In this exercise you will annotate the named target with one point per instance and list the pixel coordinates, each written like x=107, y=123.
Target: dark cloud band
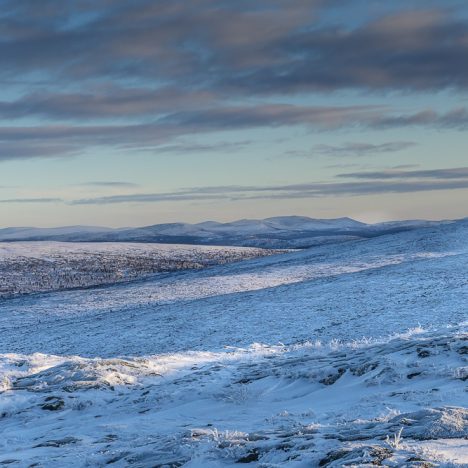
x=55, y=140
x=408, y=182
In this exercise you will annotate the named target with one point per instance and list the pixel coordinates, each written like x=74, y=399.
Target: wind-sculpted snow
x=354, y=355
x=305, y=405
x=29, y=267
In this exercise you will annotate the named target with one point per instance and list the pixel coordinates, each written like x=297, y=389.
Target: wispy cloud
x=368, y=183
x=54, y=140
x=106, y=102
x=361, y=149
x=437, y=174
x=187, y=147
x=375, y=183
x=13, y=148
x=147, y=198
x=405, y=166
x=111, y=184
x=32, y=200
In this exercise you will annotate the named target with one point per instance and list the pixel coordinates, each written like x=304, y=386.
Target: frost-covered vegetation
x=355, y=355
x=27, y=267
x=394, y=403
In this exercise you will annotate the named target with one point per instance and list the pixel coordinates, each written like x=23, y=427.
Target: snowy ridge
x=276, y=232
x=32, y=232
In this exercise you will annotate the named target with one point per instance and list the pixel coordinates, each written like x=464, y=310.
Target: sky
x=123, y=113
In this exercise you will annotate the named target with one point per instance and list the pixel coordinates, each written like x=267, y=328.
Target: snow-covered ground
x=345, y=355
x=29, y=267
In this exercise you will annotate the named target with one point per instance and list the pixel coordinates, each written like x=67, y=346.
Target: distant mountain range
x=276, y=232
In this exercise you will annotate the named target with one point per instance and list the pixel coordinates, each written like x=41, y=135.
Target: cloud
x=452, y=119
x=14, y=149
x=437, y=174
x=110, y=184
x=294, y=191
x=21, y=142
x=145, y=38
x=266, y=46
x=405, y=166
x=140, y=75
x=104, y=102
x=188, y=147
x=146, y=198
x=373, y=183
x=32, y=200
x=148, y=76
x=407, y=50
x=360, y=149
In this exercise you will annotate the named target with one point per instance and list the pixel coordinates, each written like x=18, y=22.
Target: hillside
x=278, y=232
x=42, y=266
x=309, y=358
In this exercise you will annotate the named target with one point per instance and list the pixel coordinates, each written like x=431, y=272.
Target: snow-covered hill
x=354, y=355
x=24, y=233
x=41, y=266
x=276, y=232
